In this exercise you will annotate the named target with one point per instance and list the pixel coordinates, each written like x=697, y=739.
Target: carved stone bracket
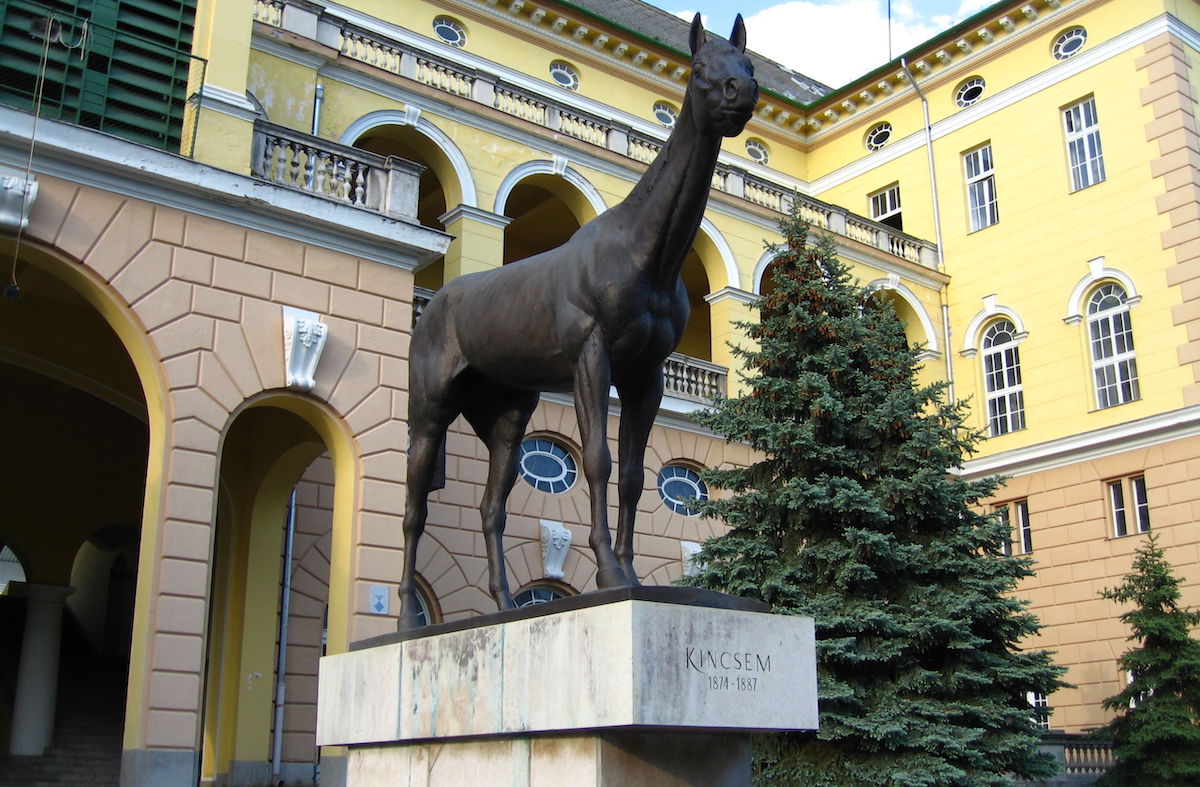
x=16, y=198
x=556, y=543
x=687, y=555
x=304, y=338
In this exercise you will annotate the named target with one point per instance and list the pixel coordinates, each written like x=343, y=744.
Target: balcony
x=353, y=177
x=684, y=377
x=408, y=61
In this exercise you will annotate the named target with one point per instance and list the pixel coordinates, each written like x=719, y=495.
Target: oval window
x=878, y=136
x=1068, y=43
x=450, y=30
x=969, y=92
x=564, y=74
x=665, y=113
x=758, y=151
x=546, y=465
x=680, y=488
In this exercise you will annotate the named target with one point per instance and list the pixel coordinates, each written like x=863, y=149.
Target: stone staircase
x=86, y=749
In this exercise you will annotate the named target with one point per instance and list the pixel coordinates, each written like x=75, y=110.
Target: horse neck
x=668, y=202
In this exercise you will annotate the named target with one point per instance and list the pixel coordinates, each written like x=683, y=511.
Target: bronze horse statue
x=604, y=309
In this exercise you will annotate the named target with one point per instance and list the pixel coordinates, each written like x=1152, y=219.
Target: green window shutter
x=133, y=78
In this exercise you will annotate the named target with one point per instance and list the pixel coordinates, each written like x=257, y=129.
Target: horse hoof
x=612, y=578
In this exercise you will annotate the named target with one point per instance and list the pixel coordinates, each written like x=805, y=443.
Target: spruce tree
x=1156, y=735
x=852, y=517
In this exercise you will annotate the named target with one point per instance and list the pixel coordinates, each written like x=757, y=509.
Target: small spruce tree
x=852, y=517
x=1156, y=735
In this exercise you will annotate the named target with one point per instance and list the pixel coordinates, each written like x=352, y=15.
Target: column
x=225, y=128
x=478, y=243
x=730, y=305
x=37, y=675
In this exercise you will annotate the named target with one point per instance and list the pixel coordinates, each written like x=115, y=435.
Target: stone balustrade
x=376, y=49
x=684, y=377
x=294, y=160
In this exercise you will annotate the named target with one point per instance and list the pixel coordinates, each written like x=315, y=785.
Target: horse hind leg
x=500, y=420
x=423, y=453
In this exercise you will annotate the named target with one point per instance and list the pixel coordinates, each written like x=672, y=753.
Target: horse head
x=722, y=90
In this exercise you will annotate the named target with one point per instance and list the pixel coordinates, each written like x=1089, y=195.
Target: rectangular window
x=1003, y=514
x=981, y=188
x=1129, y=505
x=1084, y=154
x=1005, y=397
x=1022, y=536
x=1041, y=709
x=885, y=207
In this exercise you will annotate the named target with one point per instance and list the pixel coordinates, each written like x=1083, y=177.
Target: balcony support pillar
x=478, y=237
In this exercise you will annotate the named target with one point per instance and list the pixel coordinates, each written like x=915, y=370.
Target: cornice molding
x=227, y=102
x=475, y=214
x=1004, y=99
x=81, y=155
x=1086, y=446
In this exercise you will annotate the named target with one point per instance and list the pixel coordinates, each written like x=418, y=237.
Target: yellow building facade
x=1022, y=186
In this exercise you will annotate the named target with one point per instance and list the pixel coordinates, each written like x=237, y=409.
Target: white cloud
x=835, y=44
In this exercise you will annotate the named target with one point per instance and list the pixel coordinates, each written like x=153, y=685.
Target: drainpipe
x=281, y=662
x=318, y=100
x=937, y=224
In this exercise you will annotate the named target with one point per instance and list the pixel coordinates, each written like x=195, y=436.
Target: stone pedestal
x=654, y=686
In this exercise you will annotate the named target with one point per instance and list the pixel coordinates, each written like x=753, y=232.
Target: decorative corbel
x=304, y=338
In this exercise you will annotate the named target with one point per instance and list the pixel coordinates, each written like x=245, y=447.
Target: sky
x=832, y=41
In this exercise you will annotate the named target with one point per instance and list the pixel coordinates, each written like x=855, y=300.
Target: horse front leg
x=592, y=380
x=639, y=406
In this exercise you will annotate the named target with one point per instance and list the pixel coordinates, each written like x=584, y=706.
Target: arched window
x=1002, y=379
x=540, y=593
x=1110, y=333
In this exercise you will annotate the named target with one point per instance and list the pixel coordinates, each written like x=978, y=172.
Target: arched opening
x=546, y=211
x=438, y=191
x=276, y=476
x=914, y=329
x=77, y=427
x=697, y=338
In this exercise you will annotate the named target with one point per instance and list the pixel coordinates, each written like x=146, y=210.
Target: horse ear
x=696, y=38
x=738, y=36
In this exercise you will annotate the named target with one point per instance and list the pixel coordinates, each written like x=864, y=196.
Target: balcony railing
x=684, y=377
x=376, y=49
x=294, y=160
x=1081, y=760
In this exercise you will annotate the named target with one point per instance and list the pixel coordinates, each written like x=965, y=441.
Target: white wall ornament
x=16, y=198
x=304, y=338
x=556, y=543
x=687, y=555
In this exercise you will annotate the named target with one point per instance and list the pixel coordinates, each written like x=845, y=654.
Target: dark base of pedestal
x=604, y=759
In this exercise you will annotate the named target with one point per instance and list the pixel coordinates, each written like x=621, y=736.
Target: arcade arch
x=78, y=374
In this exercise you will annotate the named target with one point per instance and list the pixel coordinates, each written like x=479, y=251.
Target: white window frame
x=982, y=205
x=1110, y=343
x=1004, y=390
x=885, y=204
x=1041, y=709
x=1085, y=156
x=1022, y=536
x=1128, y=504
